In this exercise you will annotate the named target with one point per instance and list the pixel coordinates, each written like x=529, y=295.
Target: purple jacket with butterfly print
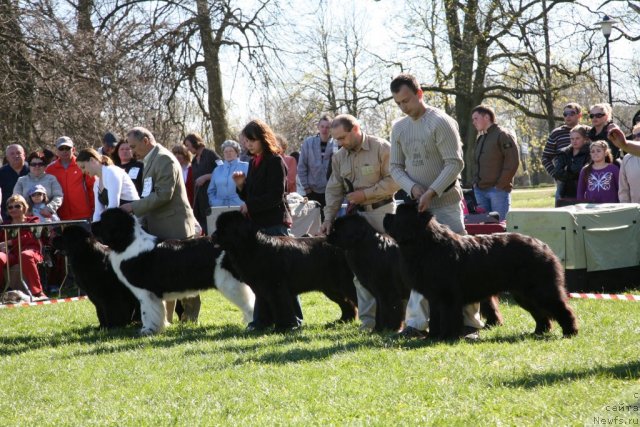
x=601, y=186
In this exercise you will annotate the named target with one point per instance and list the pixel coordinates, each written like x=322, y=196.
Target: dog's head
x=72, y=238
x=115, y=229
x=347, y=231
x=232, y=228
x=407, y=223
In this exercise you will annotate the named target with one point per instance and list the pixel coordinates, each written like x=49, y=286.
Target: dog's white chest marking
x=151, y=307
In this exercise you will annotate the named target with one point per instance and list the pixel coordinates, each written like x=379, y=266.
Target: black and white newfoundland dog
x=279, y=268
x=451, y=270
x=89, y=261
x=374, y=258
x=172, y=269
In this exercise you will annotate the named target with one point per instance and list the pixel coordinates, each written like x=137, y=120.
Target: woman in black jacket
x=263, y=193
x=568, y=163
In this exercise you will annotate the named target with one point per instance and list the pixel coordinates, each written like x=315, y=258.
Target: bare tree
x=484, y=38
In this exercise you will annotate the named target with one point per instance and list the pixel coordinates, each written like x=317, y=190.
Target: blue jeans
x=559, y=189
x=493, y=200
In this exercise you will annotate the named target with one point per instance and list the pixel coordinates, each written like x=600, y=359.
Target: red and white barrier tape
x=619, y=297
x=44, y=302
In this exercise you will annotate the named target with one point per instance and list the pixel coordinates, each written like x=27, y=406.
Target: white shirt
x=119, y=187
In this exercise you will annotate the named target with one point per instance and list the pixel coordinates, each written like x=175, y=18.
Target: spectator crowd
x=172, y=190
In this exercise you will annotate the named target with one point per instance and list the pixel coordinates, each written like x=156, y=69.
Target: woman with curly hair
x=263, y=192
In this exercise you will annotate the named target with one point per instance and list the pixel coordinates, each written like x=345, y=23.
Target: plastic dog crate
x=598, y=244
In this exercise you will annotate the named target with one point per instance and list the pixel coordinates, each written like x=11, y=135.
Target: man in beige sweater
x=426, y=161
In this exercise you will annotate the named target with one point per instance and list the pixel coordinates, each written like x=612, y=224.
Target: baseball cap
x=109, y=139
x=64, y=141
x=37, y=189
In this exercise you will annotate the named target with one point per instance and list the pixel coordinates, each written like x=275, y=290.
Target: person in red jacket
x=30, y=247
x=77, y=187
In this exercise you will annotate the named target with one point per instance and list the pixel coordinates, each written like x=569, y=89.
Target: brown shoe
x=410, y=332
x=470, y=333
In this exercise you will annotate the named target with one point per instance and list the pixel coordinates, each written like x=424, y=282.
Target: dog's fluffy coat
x=374, y=259
x=279, y=268
x=452, y=270
x=168, y=270
x=89, y=260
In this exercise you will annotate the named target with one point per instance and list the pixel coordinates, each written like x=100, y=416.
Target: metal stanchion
x=37, y=233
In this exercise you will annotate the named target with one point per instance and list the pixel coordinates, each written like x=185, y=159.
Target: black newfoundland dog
x=280, y=268
x=374, y=258
x=452, y=270
x=89, y=260
x=172, y=269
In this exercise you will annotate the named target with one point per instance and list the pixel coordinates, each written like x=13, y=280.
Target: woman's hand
x=618, y=138
x=244, y=210
x=202, y=180
x=46, y=212
x=239, y=178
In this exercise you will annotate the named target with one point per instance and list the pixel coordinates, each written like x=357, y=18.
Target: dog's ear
x=96, y=228
x=387, y=222
x=425, y=217
x=413, y=203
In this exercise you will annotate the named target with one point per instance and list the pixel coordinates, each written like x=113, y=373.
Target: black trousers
x=263, y=316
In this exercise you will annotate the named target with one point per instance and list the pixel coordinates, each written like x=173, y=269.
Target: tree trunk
x=211, y=51
x=548, y=94
x=463, y=46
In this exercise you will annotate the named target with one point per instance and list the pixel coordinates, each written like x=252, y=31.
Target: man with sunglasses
x=9, y=173
x=76, y=186
x=559, y=138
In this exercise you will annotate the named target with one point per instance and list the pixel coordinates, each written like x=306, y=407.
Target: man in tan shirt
x=360, y=173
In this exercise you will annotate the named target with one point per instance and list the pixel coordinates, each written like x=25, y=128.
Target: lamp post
x=606, y=25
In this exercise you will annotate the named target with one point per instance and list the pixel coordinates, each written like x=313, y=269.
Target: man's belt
x=375, y=205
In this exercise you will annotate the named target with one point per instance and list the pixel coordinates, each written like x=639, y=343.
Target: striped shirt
x=558, y=139
x=428, y=152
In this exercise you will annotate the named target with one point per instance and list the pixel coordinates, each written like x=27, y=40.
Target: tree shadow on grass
x=114, y=340
x=518, y=338
x=623, y=371
x=295, y=346
x=14, y=345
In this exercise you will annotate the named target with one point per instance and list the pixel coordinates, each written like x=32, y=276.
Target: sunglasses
x=64, y=148
x=598, y=115
x=569, y=113
x=36, y=165
x=9, y=207
x=636, y=135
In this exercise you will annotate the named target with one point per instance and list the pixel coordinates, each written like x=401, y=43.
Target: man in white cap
x=76, y=186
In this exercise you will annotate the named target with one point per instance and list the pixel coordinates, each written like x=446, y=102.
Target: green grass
x=541, y=197
x=59, y=370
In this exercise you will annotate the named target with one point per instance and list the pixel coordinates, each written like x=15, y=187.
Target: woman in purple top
x=598, y=181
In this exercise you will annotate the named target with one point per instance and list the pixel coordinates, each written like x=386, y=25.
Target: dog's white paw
x=145, y=332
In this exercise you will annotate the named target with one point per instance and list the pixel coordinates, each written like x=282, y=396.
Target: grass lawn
x=58, y=369
x=542, y=197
